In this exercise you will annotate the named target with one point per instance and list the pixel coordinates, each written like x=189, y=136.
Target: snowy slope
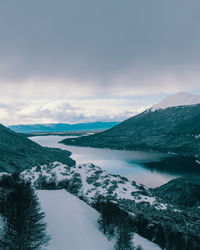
x=89, y=181
x=179, y=99
x=72, y=224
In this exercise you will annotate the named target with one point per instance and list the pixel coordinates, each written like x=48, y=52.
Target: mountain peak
x=179, y=99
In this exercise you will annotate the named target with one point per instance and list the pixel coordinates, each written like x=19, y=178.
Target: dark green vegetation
x=117, y=222
x=169, y=228
x=173, y=129
x=62, y=127
x=18, y=153
x=172, y=228
x=184, y=192
x=24, y=226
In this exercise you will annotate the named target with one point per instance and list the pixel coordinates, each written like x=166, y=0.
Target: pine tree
x=25, y=226
x=124, y=235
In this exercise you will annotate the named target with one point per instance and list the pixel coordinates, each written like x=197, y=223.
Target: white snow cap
x=179, y=99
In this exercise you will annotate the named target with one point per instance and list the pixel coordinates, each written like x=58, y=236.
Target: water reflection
x=151, y=169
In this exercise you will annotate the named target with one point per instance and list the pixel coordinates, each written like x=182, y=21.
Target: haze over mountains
x=170, y=126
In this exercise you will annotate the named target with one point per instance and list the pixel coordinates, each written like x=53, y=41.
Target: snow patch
x=90, y=181
x=179, y=99
x=144, y=243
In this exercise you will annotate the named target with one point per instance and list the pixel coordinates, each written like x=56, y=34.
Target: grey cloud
x=97, y=41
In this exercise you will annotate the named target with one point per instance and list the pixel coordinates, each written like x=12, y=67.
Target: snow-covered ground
x=144, y=243
x=72, y=224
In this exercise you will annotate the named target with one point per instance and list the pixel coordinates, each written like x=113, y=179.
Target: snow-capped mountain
x=179, y=99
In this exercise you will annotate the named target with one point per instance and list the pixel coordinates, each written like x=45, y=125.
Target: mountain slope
x=62, y=127
x=18, y=152
x=174, y=129
x=68, y=217
x=169, y=223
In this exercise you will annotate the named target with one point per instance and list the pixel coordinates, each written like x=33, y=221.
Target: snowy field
x=72, y=224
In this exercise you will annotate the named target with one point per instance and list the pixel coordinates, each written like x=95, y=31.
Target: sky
x=80, y=61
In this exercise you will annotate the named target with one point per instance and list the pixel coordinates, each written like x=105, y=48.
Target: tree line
x=115, y=221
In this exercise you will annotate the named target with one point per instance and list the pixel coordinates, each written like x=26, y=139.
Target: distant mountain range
x=164, y=128
x=18, y=153
x=62, y=127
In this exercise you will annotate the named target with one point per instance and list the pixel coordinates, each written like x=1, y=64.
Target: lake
x=149, y=168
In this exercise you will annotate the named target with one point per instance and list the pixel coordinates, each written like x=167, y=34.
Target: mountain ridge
x=174, y=129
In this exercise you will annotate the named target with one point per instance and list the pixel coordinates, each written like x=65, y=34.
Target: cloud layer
x=74, y=111
x=55, y=51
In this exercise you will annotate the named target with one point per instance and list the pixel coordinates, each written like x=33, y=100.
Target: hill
x=18, y=153
x=183, y=191
x=174, y=129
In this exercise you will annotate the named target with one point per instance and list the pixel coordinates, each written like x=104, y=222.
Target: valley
x=138, y=194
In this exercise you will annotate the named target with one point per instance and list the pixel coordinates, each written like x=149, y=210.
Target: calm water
x=150, y=169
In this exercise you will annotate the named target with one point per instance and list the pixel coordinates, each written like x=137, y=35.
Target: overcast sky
x=77, y=61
